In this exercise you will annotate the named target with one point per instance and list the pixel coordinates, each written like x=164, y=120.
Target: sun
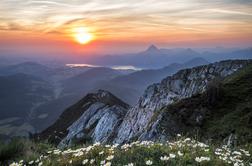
x=82, y=35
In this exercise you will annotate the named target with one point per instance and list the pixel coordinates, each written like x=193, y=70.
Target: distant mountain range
x=42, y=92
x=29, y=68
x=154, y=57
x=41, y=71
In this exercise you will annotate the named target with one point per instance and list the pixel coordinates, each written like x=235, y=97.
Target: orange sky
x=123, y=26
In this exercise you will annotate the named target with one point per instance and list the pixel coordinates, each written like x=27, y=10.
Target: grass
x=233, y=113
x=11, y=150
x=180, y=152
x=19, y=148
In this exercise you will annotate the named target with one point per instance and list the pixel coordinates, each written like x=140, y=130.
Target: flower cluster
x=177, y=152
x=231, y=157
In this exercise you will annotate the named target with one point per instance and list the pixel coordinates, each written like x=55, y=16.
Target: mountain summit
x=151, y=50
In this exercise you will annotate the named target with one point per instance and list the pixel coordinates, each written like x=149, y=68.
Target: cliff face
x=94, y=118
x=144, y=115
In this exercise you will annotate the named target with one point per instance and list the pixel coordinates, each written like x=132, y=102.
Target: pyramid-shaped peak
x=152, y=48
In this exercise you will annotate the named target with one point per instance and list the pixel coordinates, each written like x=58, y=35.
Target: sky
x=119, y=26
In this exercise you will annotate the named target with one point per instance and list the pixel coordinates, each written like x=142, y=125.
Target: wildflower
x=130, y=164
x=56, y=152
x=49, y=152
x=78, y=154
x=107, y=164
x=103, y=162
x=92, y=161
x=202, y=145
x=84, y=161
x=200, y=159
x=237, y=153
x=40, y=164
x=148, y=162
x=71, y=161
x=164, y=158
x=244, y=151
x=172, y=155
x=97, y=144
x=180, y=154
x=187, y=139
x=14, y=164
x=110, y=157
x=40, y=157
x=88, y=148
x=31, y=162
x=115, y=145
x=178, y=135
x=101, y=153
x=247, y=154
x=125, y=147
x=237, y=164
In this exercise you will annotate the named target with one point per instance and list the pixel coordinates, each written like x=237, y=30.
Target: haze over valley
x=40, y=92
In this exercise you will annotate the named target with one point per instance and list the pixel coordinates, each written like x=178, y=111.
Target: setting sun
x=82, y=35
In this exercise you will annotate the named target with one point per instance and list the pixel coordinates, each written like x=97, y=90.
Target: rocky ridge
x=183, y=84
x=94, y=118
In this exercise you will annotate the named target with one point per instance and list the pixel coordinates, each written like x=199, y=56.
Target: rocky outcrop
x=223, y=113
x=185, y=83
x=95, y=118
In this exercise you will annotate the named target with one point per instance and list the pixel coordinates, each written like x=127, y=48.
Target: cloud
x=114, y=17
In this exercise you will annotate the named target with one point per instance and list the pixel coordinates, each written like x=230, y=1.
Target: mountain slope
x=198, y=61
x=20, y=95
x=86, y=81
x=183, y=84
x=223, y=112
x=95, y=117
x=29, y=68
x=130, y=87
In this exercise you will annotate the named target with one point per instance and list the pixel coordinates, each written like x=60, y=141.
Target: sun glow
x=82, y=35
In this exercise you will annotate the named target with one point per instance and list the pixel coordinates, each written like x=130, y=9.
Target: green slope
x=224, y=109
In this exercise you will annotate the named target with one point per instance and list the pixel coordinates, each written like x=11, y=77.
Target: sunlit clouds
x=159, y=21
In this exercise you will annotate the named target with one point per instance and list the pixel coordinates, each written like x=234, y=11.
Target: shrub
x=11, y=150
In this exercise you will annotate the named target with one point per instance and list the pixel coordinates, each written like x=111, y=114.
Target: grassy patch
x=21, y=149
x=180, y=152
